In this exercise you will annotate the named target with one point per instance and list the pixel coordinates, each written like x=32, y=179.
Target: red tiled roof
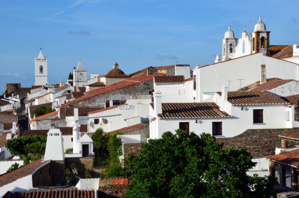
x=83, y=111
x=96, y=84
x=169, y=79
x=292, y=99
x=83, y=128
x=285, y=52
x=52, y=193
x=254, y=98
x=294, y=136
x=43, y=116
x=274, y=49
x=290, y=158
x=102, y=110
x=119, y=85
x=3, y=140
x=7, y=126
x=20, y=172
x=192, y=110
x=129, y=128
x=270, y=85
x=158, y=68
x=116, y=73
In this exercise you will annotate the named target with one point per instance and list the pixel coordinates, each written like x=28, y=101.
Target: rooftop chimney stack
x=223, y=98
x=157, y=102
x=263, y=74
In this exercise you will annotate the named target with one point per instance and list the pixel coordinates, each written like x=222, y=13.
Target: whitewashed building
x=41, y=70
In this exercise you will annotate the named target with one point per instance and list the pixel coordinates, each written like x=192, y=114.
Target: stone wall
x=133, y=149
x=259, y=142
x=7, y=118
x=82, y=164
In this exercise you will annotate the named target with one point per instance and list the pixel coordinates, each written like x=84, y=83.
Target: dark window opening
x=217, y=128
x=258, y=116
x=96, y=121
x=107, y=103
x=71, y=139
x=263, y=42
x=253, y=44
x=185, y=126
x=194, y=82
x=41, y=69
x=230, y=48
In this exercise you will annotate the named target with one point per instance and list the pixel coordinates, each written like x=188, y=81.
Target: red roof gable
x=102, y=110
x=43, y=116
x=290, y=158
x=270, y=85
x=20, y=172
x=169, y=79
x=129, y=128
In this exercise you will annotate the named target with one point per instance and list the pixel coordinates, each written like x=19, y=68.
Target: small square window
x=258, y=116
x=71, y=139
x=217, y=128
x=96, y=121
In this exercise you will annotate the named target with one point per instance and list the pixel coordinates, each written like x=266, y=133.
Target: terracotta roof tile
x=292, y=99
x=169, y=79
x=43, y=116
x=116, y=73
x=294, y=136
x=3, y=140
x=192, y=110
x=62, y=87
x=83, y=111
x=53, y=193
x=254, y=98
x=83, y=128
x=285, y=52
x=20, y=172
x=129, y=128
x=274, y=49
x=7, y=126
x=290, y=158
x=270, y=85
x=119, y=85
x=189, y=79
x=97, y=84
x=158, y=68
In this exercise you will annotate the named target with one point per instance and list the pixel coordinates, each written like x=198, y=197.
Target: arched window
x=243, y=47
x=80, y=76
x=263, y=42
x=41, y=69
x=253, y=44
x=224, y=49
x=230, y=48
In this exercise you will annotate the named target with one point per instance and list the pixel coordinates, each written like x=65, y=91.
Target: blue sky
x=135, y=33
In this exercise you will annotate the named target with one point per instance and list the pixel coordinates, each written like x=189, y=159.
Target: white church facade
x=257, y=41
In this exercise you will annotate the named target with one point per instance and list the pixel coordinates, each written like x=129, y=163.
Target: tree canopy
x=29, y=147
x=41, y=111
x=180, y=165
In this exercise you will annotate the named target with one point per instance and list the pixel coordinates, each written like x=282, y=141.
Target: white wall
x=67, y=142
x=182, y=70
x=45, y=99
x=88, y=184
x=174, y=92
x=213, y=77
x=287, y=89
x=22, y=184
x=130, y=139
x=4, y=165
x=7, y=154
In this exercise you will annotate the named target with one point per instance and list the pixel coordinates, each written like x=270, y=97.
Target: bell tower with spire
x=260, y=38
x=79, y=75
x=228, y=45
x=41, y=69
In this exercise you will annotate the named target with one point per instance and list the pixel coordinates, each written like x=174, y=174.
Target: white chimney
x=76, y=115
x=75, y=138
x=54, y=146
x=14, y=128
x=157, y=102
x=217, y=60
x=223, y=98
x=263, y=74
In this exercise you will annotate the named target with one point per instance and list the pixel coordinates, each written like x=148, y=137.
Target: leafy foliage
x=41, y=111
x=31, y=148
x=70, y=76
x=179, y=165
x=13, y=167
x=100, y=142
x=87, y=174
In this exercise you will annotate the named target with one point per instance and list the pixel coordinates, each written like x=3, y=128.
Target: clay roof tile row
x=169, y=79
x=52, y=193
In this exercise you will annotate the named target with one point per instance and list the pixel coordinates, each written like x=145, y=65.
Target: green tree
x=180, y=165
x=70, y=76
x=13, y=167
x=41, y=111
x=100, y=142
x=29, y=147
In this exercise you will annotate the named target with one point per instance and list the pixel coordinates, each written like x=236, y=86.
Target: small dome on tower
x=260, y=26
x=229, y=33
x=244, y=33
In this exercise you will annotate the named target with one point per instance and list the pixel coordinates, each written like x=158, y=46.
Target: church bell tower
x=41, y=69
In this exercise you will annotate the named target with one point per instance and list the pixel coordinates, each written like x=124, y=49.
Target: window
x=263, y=42
x=258, y=116
x=253, y=44
x=185, y=126
x=71, y=139
x=230, y=48
x=243, y=47
x=41, y=69
x=217, y=128
x=96, y=121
